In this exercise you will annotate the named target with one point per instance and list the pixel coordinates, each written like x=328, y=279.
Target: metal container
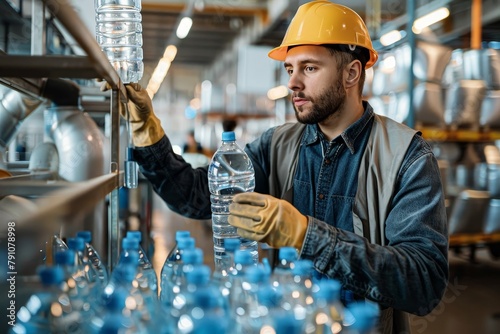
x=469, y=212
x=494, y=180
x=482, y=64
x=491, y=67
x=490, y=110
x=492, y=220
x=428, y=103
x=399, y=106
x=430, y=61
x=463, y=103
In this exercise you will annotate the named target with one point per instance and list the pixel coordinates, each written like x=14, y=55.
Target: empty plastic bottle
x=328, y=310
x=75, y=308
x=77, y=245
x=119, y=33
x=298, y=298
x=144, y=262
x=170, y=271
x=34, y=316
x=192, y=312
x=116, y=317
x=172, y=259
x=229, y=173
x=91, y=256
x=146, y=276
x=282, y=273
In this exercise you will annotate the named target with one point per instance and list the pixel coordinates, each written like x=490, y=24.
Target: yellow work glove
x=267, y=219
x=146, y=127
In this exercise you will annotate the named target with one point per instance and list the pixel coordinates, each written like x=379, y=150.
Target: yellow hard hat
x=322, y=22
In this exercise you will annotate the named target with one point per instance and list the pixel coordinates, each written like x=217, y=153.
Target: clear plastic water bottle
x=229, y=173
x=34, y=316
x=76, y=308
x=168, y=273
x=282, y=274
x=91, y=256
x=77, y=245
x=144, y=262
x=328, y=311
x=119, y=33
x=116, y=317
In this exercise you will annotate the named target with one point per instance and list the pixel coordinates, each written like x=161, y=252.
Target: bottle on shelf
x=91, y=256
x=230, y=172
x=119, y=33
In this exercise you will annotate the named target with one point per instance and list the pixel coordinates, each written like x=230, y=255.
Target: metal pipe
x=476, y=28
x=410, y=7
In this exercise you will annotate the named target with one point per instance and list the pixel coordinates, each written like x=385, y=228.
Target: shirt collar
x=312, y=133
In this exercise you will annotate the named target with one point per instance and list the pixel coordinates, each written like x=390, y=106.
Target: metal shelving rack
x=62, y=199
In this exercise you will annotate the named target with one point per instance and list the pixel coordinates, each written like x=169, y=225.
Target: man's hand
x=146, y=127
x=268, y=219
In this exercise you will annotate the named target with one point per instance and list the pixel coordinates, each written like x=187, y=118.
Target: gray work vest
x=379, y=167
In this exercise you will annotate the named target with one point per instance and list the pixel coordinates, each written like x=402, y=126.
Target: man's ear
x=352, y=74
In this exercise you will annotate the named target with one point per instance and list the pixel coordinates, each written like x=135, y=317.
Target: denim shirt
x=410, y=273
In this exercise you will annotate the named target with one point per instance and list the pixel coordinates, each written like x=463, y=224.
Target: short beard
x=328, y=103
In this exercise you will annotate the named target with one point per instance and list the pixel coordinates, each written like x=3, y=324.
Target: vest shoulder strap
x=285, y=146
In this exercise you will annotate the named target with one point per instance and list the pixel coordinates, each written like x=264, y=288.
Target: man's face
x=316, y=83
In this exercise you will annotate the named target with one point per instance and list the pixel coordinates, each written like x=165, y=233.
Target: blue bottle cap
x=192, y=256
x=135, y=234
x=286, y=323
x=268, y=296
x=255, y=274
x=288, y=253
x=228, y=136
x=76, y=244
x=131, y=258
x=232, y=244
x=303, y=267
x=365, y=315
x=124, y=273
x=130, y=243
x=181, y=234
x=85, y=235
x=52, y=275
x=205, y=298
x=329, y=290
x=185, y=243
x=65, y=258
x=200, y=275
x=243, y=257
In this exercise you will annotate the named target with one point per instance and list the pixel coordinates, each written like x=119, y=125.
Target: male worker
x=357, y=193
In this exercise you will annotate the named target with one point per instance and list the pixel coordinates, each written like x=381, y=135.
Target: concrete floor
x=470, y=305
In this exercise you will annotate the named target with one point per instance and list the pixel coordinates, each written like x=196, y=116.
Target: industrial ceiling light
x=392, y=37
x=429, y=19
x=184, y=27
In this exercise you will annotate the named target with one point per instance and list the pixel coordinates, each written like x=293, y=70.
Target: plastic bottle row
x=78, y=295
